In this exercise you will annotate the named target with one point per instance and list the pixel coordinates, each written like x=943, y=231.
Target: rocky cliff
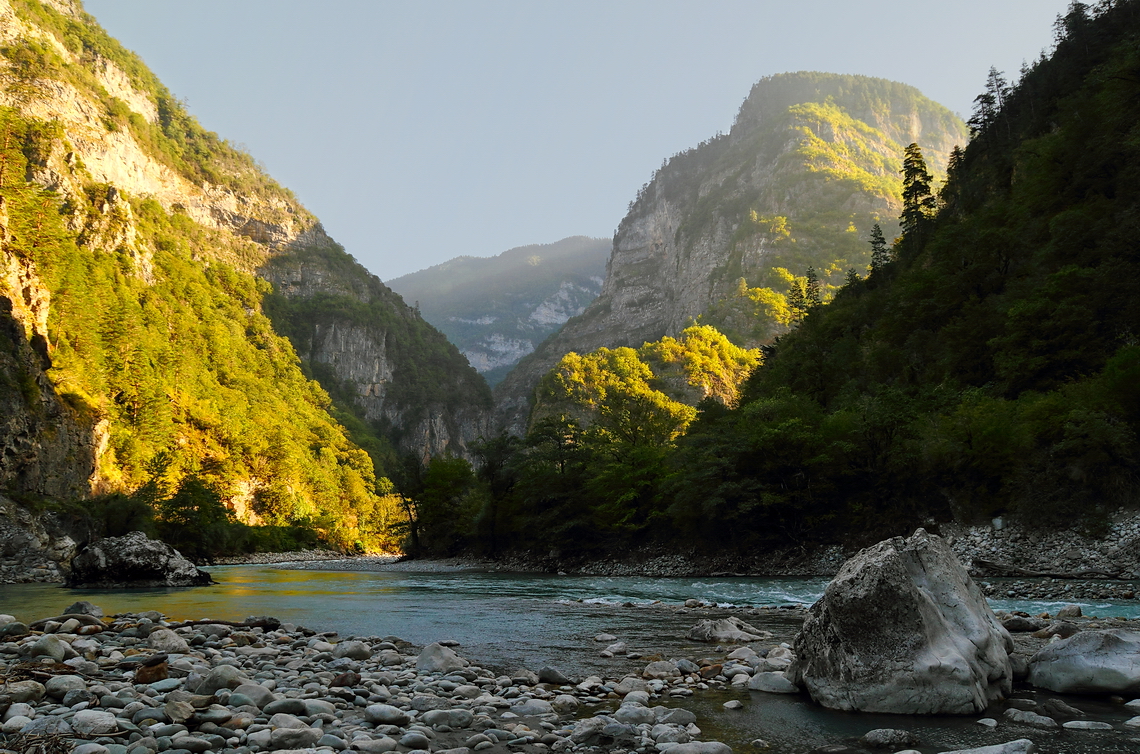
x=497, y=309
x=368, y=347
x=140, y=257
x=810, y=164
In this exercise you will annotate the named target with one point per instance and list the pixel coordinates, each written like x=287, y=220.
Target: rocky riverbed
x=139, y=683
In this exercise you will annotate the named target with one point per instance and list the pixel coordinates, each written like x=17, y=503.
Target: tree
x=918, y=199
x=988, y=104
x=813, y=292
x=880, y=254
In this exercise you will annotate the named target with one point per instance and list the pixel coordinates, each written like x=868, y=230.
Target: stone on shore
x=774, y=682
x=436, y=658
x=1090, y=662
x=133, y=560
x=730, y=630
x=1031, y=719
x=1020, y=746
x=165, y=640
x=903, y=629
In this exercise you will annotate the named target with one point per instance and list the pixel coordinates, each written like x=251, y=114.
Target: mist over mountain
x=498, y=309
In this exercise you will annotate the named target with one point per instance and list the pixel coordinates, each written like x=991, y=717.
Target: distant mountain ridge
x=811, y=164
x=497, y=310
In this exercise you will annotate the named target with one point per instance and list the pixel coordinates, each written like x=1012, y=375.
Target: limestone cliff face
x=399, y=373
x=818, y=152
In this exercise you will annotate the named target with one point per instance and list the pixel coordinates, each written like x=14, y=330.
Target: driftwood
x=1005, y=568
x=269, y=623
x=87, y=620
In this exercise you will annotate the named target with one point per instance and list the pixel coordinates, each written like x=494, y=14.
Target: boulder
x=83, y=607
x=1091, y=662
x=729, y=630
x=436, y=658
x=903, y=629
x=133, y=560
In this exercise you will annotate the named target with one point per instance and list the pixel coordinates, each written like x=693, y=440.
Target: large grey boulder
x=1091, y=662
x=133, y=560
x=903, y=629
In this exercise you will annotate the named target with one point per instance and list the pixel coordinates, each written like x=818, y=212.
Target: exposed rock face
x=133, y=560
x=903, y=629
x=381, y=358
x=1091, y=662
x=47, y=447
x=687, y=238
x=37, y=547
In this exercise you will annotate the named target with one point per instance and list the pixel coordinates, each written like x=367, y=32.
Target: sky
x=420, y=131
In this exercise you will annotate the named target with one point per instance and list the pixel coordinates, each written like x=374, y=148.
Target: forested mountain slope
x=723, y=230
x=497, y=309
x=148, y=271
x=992, y=368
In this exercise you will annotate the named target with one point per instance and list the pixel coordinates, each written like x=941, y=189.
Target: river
x=507, y=621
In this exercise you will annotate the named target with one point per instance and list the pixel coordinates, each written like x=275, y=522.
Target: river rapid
x=506, y=621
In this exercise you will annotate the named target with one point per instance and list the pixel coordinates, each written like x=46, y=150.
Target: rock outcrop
x=133, y=560
x=811, y=158
x=903, y=629
x=1090, y=662
x=38, y=547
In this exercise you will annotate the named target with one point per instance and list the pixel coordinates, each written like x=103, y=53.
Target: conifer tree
x=880, y=254
x=813, y=292
x=918, y=200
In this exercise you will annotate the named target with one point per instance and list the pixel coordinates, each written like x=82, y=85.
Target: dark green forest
x=987, y=364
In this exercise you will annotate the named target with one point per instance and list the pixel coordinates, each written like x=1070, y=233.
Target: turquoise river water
x=506, y=621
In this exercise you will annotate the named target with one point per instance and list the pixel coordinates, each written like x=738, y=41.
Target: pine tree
x=880, y=254
x=918, y=200
x=813, y=292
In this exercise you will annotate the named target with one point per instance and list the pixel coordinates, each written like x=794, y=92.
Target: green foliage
x=176, y=355
x=645, y=396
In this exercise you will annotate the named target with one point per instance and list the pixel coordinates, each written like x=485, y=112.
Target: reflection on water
x=505, y=621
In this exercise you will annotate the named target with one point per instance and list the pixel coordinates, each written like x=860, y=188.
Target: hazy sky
x=420, y=131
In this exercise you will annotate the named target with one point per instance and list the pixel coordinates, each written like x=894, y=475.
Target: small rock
x=386, y=714
x=551, y=675
x=893, y=738
x=83, y=607
x=1020, y=746
x=1086, y=725
x=734, y=704
x=1032, y=719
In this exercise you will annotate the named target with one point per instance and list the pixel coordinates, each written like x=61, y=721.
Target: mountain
x=165, y=307
x=810, y=165
x=987, y=366
x=497, y=309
